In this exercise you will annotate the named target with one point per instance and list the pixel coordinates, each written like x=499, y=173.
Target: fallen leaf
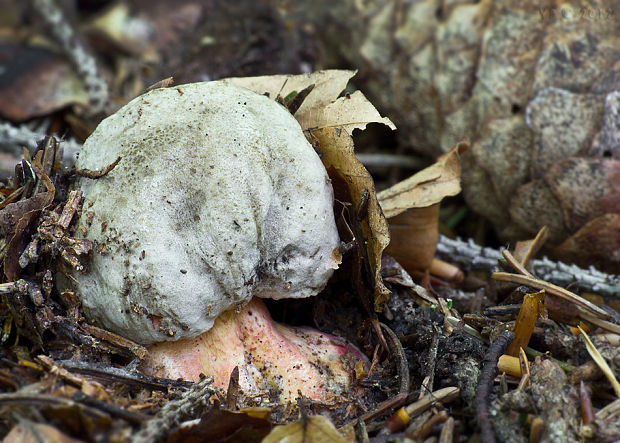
x=17, y=220
x=414, y=235
x=427, y=187
x=600, y=238
x=313, y=429
x=328, y=85
x=412, y=207
x=246, y=425
x=336, y=147
x=351, y=112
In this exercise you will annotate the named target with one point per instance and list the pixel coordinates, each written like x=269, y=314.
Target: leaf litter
x=81, y=376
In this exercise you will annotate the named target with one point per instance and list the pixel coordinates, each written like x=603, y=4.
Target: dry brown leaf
x=17, y=220
x=412, y=206
x=414, y=234
x=353, y=111
x=427, y=187
x=327, y=87
x=336, y=147
x=600, y=238
x=314, y=429
x=247, y=425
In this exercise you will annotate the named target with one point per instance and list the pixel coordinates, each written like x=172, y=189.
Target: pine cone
x=534, y=85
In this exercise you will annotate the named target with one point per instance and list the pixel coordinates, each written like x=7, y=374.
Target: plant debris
x=510, y=347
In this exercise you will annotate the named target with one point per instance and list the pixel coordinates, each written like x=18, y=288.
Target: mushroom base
x=270, y=356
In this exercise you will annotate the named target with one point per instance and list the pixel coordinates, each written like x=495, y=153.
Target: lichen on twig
x=84, y=62
x=472, y=256
x=173, y=412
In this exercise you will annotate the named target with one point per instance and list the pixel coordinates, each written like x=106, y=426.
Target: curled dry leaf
x=328, y=85
x=316, y=429
x=18, y=219
x=427, y=187
x=412, y=206
x=350, y=112
x=328, y=122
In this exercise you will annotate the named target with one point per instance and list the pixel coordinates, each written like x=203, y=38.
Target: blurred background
x=535, y=87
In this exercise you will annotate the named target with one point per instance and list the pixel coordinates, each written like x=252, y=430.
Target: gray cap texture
x=218, y=197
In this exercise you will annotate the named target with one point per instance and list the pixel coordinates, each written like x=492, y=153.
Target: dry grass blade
x=518, y=266
x=525, y=370
x=610, y=410
x=404, y=415
x=600, y=361
x=526, y=250
x=551, y=289
x=607, y=325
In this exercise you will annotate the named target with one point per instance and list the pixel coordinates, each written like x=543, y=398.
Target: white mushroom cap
x=218, y=197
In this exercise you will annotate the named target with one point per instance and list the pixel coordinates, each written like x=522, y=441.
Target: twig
x=512, y=261
x=403, y=373
x=119, y=375
x=472, y=256
x=485, y=384
x=130, y=417
x=195, y=398
x=116, y=340
x=98, y=173
x=391, y=160
x=431, y=359
x=551, y=289
x=29, y=400
x=85, y=64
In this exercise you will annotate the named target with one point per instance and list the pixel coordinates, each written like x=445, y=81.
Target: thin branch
x=552, y=289
x=391, y=160
x=485, y=385
x=192, y=403
x=472, y=256
x=120, y=375
x=84, y=62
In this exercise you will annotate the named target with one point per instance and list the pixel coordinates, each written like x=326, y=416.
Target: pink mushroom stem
x=270, y=356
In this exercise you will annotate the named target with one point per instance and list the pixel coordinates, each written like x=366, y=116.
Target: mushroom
x=218, y=201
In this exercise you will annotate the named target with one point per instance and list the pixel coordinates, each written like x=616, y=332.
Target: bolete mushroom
x=218, y=201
